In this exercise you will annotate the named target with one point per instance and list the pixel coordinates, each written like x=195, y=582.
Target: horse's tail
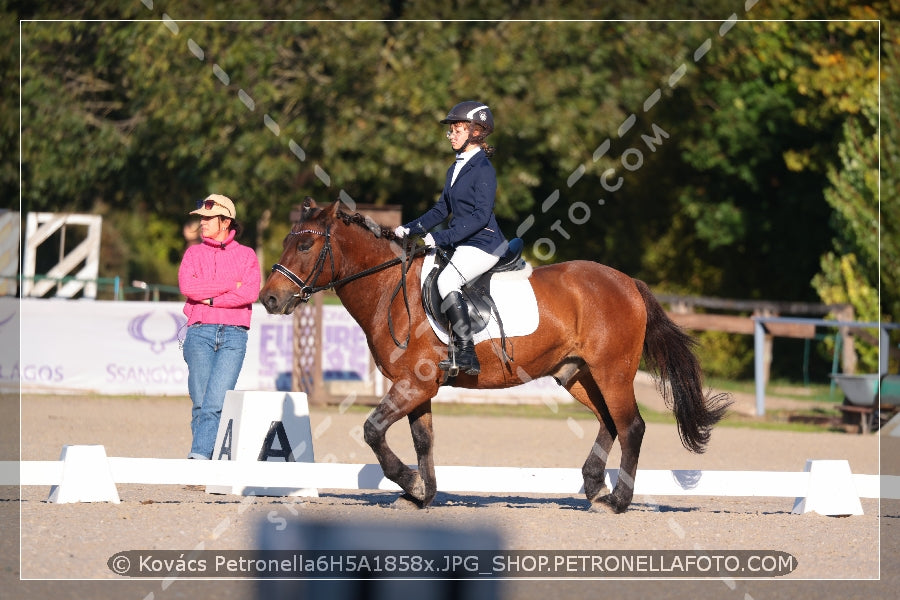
x=669, y=354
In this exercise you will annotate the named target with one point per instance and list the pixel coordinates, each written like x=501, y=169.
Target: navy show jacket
x=470, y=200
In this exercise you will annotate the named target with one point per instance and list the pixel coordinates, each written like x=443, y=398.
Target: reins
x=406, y=261
x=306, y=291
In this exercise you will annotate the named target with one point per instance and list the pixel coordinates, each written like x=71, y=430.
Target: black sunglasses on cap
x=208, y=204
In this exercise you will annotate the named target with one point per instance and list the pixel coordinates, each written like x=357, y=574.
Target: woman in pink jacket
x=220, y=279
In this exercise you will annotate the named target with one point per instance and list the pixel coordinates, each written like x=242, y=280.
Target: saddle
x=477, y=292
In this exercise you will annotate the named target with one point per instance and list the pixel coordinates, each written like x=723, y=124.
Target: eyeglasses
x=208, y=204
x=457, y=131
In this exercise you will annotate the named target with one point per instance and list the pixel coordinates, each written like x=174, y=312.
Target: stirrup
x=449, y=363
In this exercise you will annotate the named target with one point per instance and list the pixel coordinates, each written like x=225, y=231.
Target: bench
x=869, y=414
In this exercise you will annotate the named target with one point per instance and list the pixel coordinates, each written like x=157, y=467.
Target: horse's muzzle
x=274, y=306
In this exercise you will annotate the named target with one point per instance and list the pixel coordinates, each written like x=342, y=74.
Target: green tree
x=849, y=273
x=757, y=153
x=889, y=206
x=9, y=112
x=136, y=120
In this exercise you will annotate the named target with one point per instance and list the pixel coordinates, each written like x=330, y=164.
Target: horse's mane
x=379, y=231
x=367, y=223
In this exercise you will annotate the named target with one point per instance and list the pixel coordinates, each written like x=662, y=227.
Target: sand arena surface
x=74, y=541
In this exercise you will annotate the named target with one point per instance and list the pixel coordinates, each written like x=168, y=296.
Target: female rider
x=472, y=233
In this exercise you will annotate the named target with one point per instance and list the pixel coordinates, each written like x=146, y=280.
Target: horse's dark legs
x=618, y=394
x=617, y=411
x=630, y=439
x=594, y=469
x=375, y=429
x=420, y=425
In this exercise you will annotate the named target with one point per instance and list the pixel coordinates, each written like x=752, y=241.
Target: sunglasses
x=208, y=204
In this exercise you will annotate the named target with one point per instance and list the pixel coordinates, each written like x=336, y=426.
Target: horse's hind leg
x=594, y=469
x=623, y=410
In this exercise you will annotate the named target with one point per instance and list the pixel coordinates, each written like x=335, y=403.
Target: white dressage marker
x=85, y=477
x=264, y=427
x=831, y=490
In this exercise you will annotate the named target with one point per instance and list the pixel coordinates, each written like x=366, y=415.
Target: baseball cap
x=215, y=204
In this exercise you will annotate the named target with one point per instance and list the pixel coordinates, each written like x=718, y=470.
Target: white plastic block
x=265, y=426
x=831, y=490
x=86, y=477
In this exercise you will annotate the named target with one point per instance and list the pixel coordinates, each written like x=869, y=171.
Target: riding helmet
x=471, y=111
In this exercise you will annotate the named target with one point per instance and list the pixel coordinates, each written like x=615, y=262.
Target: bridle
x=306, y=290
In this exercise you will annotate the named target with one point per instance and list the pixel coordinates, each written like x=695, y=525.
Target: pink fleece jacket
x=227, y=272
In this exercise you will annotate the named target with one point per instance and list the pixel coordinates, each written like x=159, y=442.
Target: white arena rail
x=84, y=473
x=826, y=486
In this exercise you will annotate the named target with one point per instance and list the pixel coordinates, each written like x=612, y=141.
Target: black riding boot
x=463, y=347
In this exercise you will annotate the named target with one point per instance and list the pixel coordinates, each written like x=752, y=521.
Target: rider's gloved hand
x=401, y=231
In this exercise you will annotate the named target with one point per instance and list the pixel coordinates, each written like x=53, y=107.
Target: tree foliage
x=729, y=157
x=889, y=205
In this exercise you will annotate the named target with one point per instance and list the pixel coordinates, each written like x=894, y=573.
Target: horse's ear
x=309, y=205
x=332, y=211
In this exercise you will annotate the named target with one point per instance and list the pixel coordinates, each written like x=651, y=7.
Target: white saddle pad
x=515, y=300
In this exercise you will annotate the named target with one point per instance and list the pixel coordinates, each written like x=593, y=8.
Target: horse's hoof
x=603, y=491
x=407, y=502
x=600, y=507
x=418, y=489
x=606, y=504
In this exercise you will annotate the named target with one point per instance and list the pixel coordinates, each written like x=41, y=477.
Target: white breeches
x=468, y=262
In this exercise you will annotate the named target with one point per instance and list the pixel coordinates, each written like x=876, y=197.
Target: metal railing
x=108, y=288
x=759, y=350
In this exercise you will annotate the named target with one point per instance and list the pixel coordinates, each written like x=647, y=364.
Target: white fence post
x=38, y=228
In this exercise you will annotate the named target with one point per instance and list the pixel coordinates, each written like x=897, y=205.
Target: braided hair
x=478, y=135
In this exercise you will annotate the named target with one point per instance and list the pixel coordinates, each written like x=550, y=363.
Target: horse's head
x=307, y=262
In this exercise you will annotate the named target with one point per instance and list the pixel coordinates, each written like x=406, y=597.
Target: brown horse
x=595, y=324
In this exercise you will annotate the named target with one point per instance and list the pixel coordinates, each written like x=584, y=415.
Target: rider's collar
x=463, y=157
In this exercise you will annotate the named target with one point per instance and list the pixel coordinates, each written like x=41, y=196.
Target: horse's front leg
x=420, y=426
x=394, y=406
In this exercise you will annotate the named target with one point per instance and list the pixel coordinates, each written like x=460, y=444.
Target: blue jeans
x=214, y=355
